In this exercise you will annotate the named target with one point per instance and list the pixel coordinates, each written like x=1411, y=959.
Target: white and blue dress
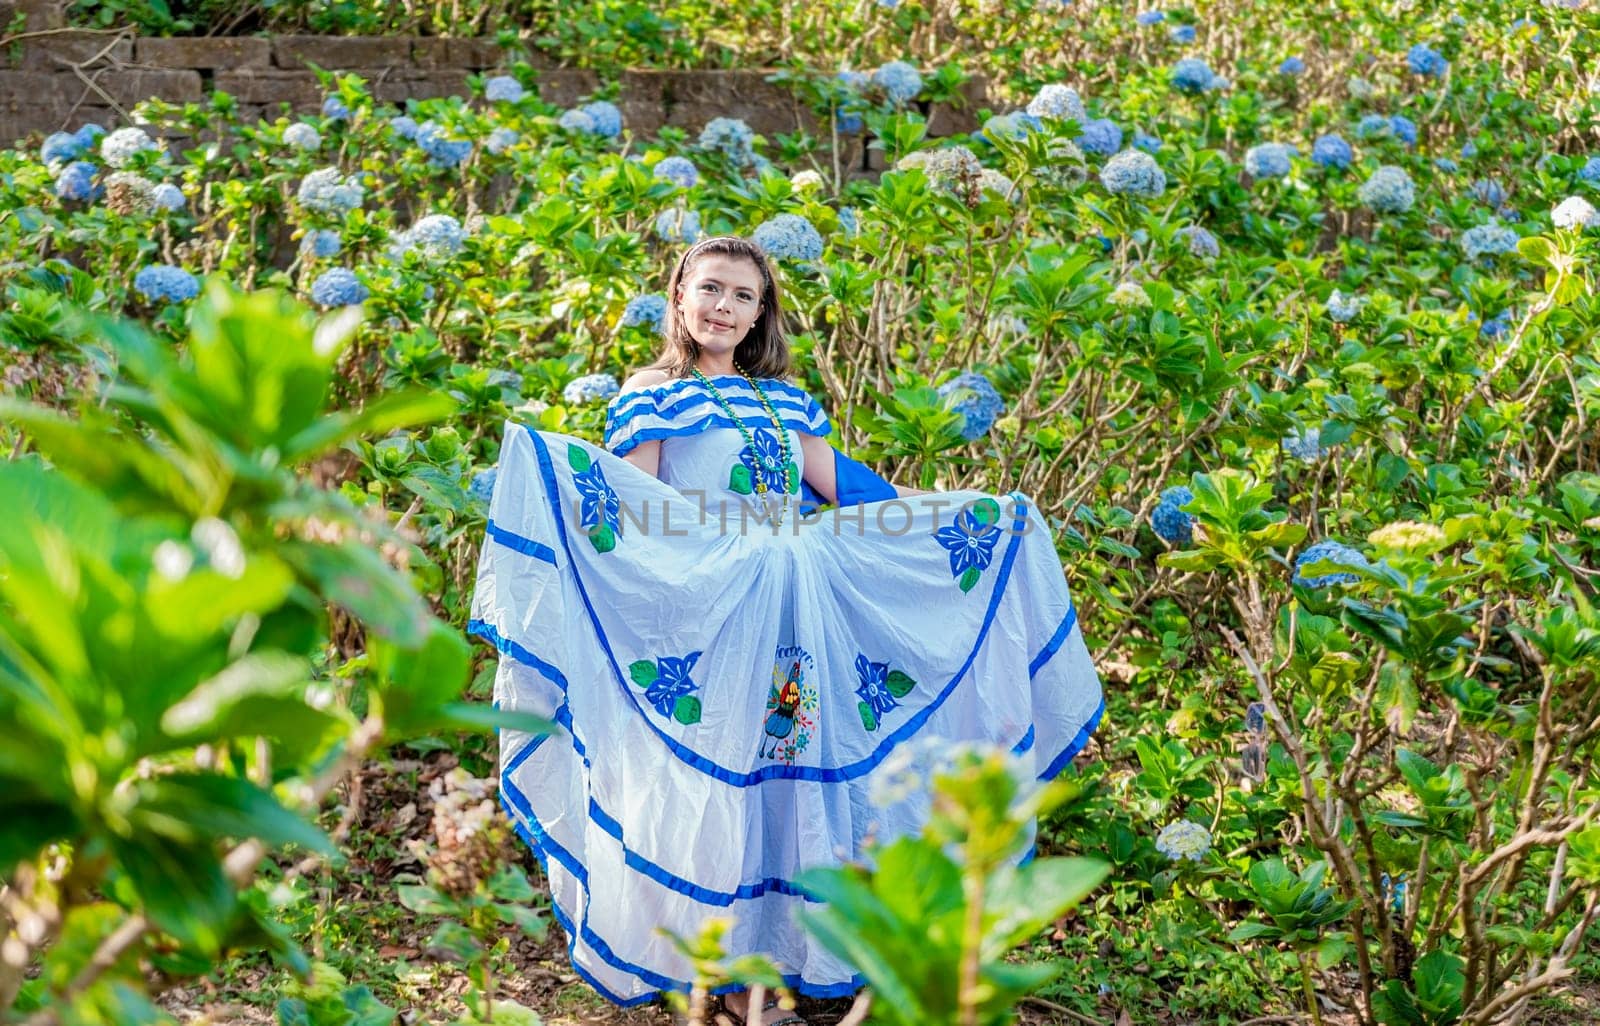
x=725, y=687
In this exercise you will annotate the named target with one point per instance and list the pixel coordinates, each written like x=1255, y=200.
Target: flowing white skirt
x=724, y=690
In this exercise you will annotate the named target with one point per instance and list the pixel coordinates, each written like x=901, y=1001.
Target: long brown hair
x=763, y=352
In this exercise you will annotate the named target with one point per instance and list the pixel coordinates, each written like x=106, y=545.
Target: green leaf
x=378, y=417
x=1538, y=249
x=529, y=920
x=969, y=578
x=418, y=681
x=643, y=672
x=1250, y=931
x=424, y=900
x=182, y=888
x=258, y=674
x=510, y=883
x=356, y=577
x=603, y=538
x=476, y=716
x=900, y=683
x=739, y=480
x=1191, y=560
x=868, y=719
x=686, y=710
x=578, y=458
x=1029, y=899
x=986, y=512
x=456, y=941
x=199, y=807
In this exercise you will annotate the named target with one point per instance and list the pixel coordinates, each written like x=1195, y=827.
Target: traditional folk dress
x=724, y=686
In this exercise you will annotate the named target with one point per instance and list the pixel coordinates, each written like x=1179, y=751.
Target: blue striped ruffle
x=685, y=408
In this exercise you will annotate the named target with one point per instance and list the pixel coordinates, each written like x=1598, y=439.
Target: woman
x=728, y=672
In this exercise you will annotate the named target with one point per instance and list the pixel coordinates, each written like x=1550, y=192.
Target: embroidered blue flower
x=970, y=542
x=600, y=507
x=874, y=687
x=672, y=679
x=766, y=463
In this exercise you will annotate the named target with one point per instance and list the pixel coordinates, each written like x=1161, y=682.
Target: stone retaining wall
x=53, y=78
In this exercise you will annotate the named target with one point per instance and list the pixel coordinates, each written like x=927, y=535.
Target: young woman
x=727, y=672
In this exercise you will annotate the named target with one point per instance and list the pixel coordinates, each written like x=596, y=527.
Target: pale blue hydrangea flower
x=1269, y=160
x=1004, y=126
x=678, y=225
x=1403, y=128
x=1469, y=149
x=1590, y=172
x=576, y=121
x=1169, y=521
x=338, y=286
x=1133, y=173
x=501, y=139
x=1150, y=17
x=1101, y=136
x=1373, y=126
x=900, y=81
x=1304, y=444
x=849, y=221
x=1193, y=75
x=76, y=182
x=1184, y=839
x=788, y=237
x=990, y=180
x=1343, y=309
x=646, y=311
x=1332, y=151
x=606, y=117
x=164, y=282
x=1183, y=34
x=335, y=109
x=1488, y=191
x=328, y=192
x=1496, y=326
x=1446, y=165
x=1388, y=191
x=503, y=89
x=1424, y=60
x=1292, y=66
x=1143, y=140
x=322, y=243
x=1059, y=102
x=1333, y=552
x=590, y=388
x=119, y=148
x=482, y=487
x=1201, y=243
x=973, y=396
x=403, y=126
x=854, y=80
x=732, y=138
x=442, y=151
x=848, y=122
x=439, y=236
x=168, y=197
x=680, y=171
x=60, y=147
x=88, y=134
x=302, y=136
x=1488, y=240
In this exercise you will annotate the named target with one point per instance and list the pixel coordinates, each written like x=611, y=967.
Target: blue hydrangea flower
x=158, y=282
x=1150, y=17
x=302, y=136
x=335, y=108
x=1184, y=34
x=1193, y=75
x=442, y=151
x=590, y=388
x=606, y=117
x=483, y=482
x=1424, y=60
x=849, y=221
x=732, y=138
x=1059, y=102
x=1143, y=140
x=1373, y=126
x=1388, y=191
x=1333, y=552
x=847, y=121
x=88, y=134
x=680, y=171
x=1004, y=126
x=503, y=89
x=76, y=182
x=1332, y=151
x=974, y=397
x=1292, y=66
x=329, y=192
x=1101, y=136
x=438, y=236
x=1496, y=326
x=168, y=197
x=1184, y=839
x=678, y=225
x=1269, y=160
x=1304, y=444
x=788, y=237
x=1403, y=128
x=403, y=126
x=874, y=686
x=1446, y=165
x=1201, y=242
x=576, y=120
x=1343, y=309
x=1169, y=521
x=969, y=541
x=1488, y=240
x=854, y=80
x=1590, y=172
x=1489, y=191
x=501, y=139
x=1133, y=173
x=321, y=243
x=646, y=311
x=900, y=81
x=60, y=147
x=338, y=286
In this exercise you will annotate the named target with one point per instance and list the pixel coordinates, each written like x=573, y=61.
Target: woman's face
x=719, y=299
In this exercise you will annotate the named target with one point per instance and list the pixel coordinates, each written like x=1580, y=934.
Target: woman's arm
x=819, y=467
x=646, y=455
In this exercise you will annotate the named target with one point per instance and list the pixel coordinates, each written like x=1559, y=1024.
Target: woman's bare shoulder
x=650, y=377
